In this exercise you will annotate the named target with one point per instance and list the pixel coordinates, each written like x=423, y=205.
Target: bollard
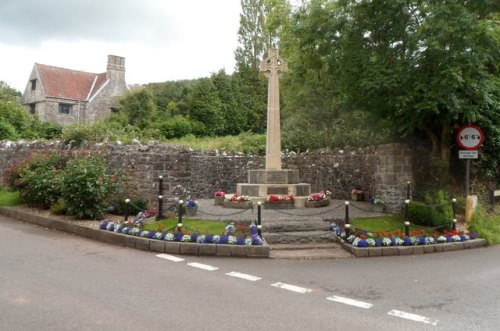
x=126, y=210
x=259, y=218
x=407, y=203
x=454, y=206
x=407, y=228
x=454, y=224
x=159, y=216
x=160, y=185
x=179, y=225
x=408, y=190
x=347, y=230
x=346, y=212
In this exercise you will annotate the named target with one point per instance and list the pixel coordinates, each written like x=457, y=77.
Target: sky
x=161, y=40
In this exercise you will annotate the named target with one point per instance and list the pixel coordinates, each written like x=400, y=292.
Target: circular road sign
x=470, y=137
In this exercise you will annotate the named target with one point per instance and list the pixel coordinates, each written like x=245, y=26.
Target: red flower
x=362, y=237
x=113, y=179
x=389, y=234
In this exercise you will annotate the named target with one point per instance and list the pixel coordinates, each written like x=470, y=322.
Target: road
x=55, y=281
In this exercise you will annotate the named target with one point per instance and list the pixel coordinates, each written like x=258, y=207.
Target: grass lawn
x=383, y=223
x=8, y=198
x=487, y=226
x=190, y=225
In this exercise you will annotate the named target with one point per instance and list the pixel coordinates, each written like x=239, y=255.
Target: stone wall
x=381, y=171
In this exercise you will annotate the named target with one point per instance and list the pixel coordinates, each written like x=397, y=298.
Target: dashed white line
x=412, y=317
x=170, y=257
x=350, y=302
x=243, y=276
x=292, y=288
x=202, y=266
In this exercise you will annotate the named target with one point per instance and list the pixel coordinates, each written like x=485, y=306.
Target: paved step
x=302, y=246
x=296, y=226
x=304, y=237
x=334, y=252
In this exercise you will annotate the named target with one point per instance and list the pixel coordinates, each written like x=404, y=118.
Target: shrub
x=175, y=127
x=88, y=187
x=38, y=177
x=49, y=130
x=255, y=144
x=60, y=207
x=134, y=206
x=7, y=131
x=435, y=212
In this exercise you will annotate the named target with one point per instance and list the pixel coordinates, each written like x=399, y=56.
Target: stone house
x=68, y=96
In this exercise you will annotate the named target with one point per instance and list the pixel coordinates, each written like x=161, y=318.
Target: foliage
x=60, y=207
x=9, y=198
x=7, y=131
x=38, y=178
x=139, y=107
x=436, y=211
x=88, y=186
x=487, y=225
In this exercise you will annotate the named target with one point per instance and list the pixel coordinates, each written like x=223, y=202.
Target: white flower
x=231, y=240
x=370, y=242
x=430, y=240
x=201, y=239
x=157, y=235
x=248, y=241
x=441, y=239
x=356, y=241
x=386, y=242
x=399, y=242
x=144, y=233
x=215, y=238
x=110, y=225
x=186, y=238
x=169, y=236
x=456, y=238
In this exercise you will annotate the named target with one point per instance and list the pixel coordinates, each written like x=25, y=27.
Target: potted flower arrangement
x=191, y=207
x=238, y=202
x=320, y=199
x=219, y=198
x=357, y=195
x=378, y=205
x=280, y=201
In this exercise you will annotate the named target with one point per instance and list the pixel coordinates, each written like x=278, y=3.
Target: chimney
x=116, y=68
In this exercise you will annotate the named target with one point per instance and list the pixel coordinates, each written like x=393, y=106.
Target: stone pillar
x=272, y=67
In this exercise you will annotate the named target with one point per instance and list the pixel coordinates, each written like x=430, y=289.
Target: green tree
x=206, y=107
x=251, y=36
x=139, y=107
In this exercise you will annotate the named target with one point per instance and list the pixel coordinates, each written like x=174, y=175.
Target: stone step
x=335, y=251
x=304, y=237
x=296, y=226
x=303, y=246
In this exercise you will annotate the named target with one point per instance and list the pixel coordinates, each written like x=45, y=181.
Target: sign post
x=470, y=138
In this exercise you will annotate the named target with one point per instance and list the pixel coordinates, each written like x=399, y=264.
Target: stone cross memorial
x=273, y=67
x=272, y=179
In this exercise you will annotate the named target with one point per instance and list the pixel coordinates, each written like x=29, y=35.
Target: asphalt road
x=54, y=281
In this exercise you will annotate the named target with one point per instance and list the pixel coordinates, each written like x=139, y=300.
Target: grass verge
x=8, y=198
x=190, y=225
x=486, y=225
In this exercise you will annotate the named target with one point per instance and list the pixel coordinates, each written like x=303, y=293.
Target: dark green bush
x=134, y=207
x=436, y=211
x=7, y=131
x=175, y=127
x=60, y=207
x=88, y=187
x=255, y=144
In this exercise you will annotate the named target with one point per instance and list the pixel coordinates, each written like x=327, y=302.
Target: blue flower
x=194, y=237
x=223, y=239
x=240, y=240
x=103, y=225
x=208, y=239
x=422, y=241
x=407, y=241
x=253, y=229
x=191, y=203
x=362, y=243
x=256, y=240
x=178, y=236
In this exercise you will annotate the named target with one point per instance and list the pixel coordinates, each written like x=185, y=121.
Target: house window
x=33, y=108
x=33, y=84
x=65, y=108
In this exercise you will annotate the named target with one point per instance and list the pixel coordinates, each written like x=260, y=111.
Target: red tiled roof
x=69, y=84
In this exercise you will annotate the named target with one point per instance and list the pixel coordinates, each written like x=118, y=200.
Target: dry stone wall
x=380, y=171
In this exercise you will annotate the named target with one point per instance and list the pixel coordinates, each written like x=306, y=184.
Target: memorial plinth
x=273, y=180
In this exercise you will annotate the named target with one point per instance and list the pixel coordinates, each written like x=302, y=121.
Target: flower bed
x=321, y=199
x=186, y=237
x=363, y=239
x=279, y=202
x=219, y=198
x=238, y=202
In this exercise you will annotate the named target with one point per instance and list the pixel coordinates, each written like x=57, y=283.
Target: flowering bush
x=191, y=203
x=360, y=238
x=220, y=193
x=230, y=237
x=280, y=198
x=239, y=198
x=322, y=195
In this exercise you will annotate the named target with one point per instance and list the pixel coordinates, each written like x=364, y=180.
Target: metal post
x=159, y=216
x=259, y=218
x=454, y=207
x=408, y=190
x=407, y=228
x=126, y=210
x=454, y=224
x=407, y=203
x=179, y=224
x=160, y=185
x=346, y=212
x=467, y=177
x=347, y=230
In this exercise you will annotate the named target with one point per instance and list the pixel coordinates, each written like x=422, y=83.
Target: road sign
x=468, y=154
x=470, y=137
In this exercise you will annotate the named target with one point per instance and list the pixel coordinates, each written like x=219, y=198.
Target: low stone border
x=153, y=245
x=412, y=250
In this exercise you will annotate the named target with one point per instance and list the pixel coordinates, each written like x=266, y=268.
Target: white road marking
x=202, y=266
x=170, y=257
x=350, y=302
x=243, y=276
x=292, y=288
x=412, y=317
